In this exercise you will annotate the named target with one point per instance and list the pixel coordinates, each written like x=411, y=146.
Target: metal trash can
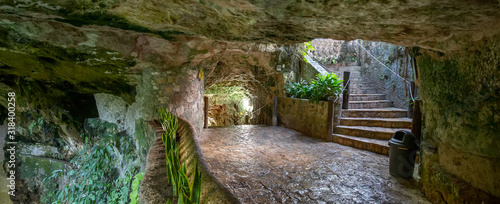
x=403, y=150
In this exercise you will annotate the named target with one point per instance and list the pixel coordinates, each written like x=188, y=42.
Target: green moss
x=144, y=136
x=80, y=13
x=105, y=19
x=49, y=62
x=461, y=98
x=3, y=114
x=84, y=70
x=95, y=127
x=34, y=169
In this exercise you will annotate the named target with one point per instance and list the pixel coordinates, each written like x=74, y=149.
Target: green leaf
x=184, y=182
x=180, y=199
x=196, y=188
x=171, y=177
x=31, y=127
x=134, y=195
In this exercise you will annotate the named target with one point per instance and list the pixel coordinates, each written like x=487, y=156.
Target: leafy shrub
x=95, y=177
x=134, y=195
x=185, y=191
x=319, y=89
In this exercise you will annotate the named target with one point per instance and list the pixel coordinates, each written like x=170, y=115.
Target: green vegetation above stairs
x=305, y=48
x=317, y=90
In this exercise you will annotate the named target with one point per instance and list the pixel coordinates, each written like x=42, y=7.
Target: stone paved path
x=262, y=164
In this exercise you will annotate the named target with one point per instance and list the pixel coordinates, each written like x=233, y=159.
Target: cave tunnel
x=229, y=105
x=97, y=83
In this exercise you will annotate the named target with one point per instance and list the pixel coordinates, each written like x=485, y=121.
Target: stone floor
x=262, y=164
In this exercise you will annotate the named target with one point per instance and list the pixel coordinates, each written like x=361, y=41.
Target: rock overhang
x=436, y=25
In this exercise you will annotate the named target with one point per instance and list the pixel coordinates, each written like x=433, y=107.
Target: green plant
x=134, y=195
x=185, y=191
x=38, y=122
x=305, y=49
x=95, y=176
x=321, y=88
x=298, y=90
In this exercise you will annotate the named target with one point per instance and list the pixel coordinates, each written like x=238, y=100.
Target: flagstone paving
x=263, y=164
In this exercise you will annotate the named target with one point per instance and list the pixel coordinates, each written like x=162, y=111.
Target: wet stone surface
x=262, y=164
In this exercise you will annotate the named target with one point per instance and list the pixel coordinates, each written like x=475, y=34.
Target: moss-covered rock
x=283, y=21
x=145, y=137
x=82, y=69
x=461, y=117
x=33, y=170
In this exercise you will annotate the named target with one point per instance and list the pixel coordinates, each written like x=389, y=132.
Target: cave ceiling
x=438, y=25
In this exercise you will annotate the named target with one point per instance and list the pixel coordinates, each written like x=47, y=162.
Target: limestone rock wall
x=334, y=52
x=183, y=95
x=461, y=123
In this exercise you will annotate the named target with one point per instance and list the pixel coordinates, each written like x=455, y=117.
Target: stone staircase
x=371, y=120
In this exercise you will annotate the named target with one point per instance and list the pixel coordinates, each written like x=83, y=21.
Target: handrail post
x=331, y=115
x=358, y=54
x=345, y=95
x=205, y=121
x=416, y=124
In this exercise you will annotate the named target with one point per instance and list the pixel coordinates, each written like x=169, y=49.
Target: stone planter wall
x=305, y=116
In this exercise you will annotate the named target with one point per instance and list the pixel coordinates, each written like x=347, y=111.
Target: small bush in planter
x=317, y=90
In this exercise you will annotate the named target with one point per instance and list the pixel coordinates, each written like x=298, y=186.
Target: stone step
x=361, y=85
x=403, y=123
x=364, y=91
x=372, y=145
x=366, y=97
x=378, y=133
x=351, y=68
x=363, y=88
x=375, y=113
x=351, y=88
x=370, y=104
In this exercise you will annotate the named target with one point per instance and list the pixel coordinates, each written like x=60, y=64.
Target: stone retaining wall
x=155, y=188
x=304, y=116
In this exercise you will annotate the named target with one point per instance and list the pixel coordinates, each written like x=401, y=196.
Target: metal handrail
x=411, y=94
